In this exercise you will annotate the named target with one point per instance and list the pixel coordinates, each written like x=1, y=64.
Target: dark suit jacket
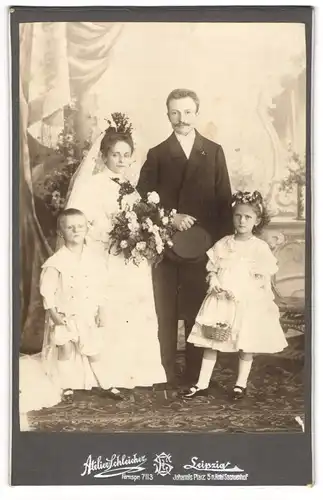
x=199, y=187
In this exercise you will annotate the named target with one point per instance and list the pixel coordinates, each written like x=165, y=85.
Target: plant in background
x=296, y=178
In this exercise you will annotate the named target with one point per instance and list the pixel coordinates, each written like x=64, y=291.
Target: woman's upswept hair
x=112, y=136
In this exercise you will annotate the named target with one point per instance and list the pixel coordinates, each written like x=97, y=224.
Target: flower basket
x=221, y=332
x=217, y=316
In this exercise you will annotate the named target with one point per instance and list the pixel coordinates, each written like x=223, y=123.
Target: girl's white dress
x=245, y=268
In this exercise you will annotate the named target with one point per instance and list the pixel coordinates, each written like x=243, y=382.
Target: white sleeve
x=266, y=262
x=214, y=256
x=49, y=284
x=212, y=265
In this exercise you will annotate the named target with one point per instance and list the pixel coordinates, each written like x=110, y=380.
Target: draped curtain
x=58, y=62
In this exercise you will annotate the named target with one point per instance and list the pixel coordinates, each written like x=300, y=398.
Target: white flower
x=165, y=221
x=56, y=195
x=136, y=256
x=159, y=244
x=161, y=212
x=131, y=216
x=173, y=212
x=153, y=197
x=149, y=222
x=154, y=229
x=159, y=248
x=137, y=260
x=123, y=244
x=133, y=226
x=170, y=243
x=141, y=245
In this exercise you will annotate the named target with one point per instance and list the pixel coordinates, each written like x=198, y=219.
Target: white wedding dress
x=131, y=352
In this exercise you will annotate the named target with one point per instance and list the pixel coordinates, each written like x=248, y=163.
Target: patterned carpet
x=275, y=398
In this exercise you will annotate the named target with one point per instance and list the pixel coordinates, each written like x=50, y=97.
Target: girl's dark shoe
x=68, y=396
x=194, y=391
x=238, y=392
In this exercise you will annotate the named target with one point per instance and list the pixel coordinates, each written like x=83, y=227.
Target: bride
x=131, y=355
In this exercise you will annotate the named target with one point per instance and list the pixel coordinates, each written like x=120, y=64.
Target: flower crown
x=246, y=197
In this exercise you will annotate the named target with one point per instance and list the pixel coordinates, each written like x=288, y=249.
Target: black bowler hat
x=190, y=245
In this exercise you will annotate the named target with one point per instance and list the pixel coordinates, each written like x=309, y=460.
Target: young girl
x=238, y=314
x=73, y=283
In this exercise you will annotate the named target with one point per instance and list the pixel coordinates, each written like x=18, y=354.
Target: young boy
x=72, y=284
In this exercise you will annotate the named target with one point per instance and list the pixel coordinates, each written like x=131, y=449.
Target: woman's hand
x=59, y=319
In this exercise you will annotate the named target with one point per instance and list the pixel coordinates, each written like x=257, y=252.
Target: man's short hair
x=181, y=94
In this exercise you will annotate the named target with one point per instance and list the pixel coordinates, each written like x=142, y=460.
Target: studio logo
x=116, y=465
x=163, y=464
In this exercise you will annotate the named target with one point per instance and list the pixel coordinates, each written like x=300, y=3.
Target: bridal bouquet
x=142, y=229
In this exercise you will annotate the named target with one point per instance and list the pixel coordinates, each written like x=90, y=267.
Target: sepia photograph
x=162, y=216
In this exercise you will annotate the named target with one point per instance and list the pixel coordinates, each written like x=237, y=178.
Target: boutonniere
x=202, y=152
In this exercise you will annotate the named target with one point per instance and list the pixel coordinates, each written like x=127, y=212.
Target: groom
x=189, y=173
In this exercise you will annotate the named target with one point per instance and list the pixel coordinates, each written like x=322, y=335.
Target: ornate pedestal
x=286, y=237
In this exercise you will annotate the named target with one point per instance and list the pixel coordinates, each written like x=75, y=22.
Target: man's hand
x=182, y=222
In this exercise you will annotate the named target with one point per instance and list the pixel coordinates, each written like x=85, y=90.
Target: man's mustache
x=181, y=124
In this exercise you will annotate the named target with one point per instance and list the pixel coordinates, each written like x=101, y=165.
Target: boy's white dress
x=130, y=354
x=245, y=268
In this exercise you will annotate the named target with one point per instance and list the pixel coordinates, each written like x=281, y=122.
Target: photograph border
x=268, y=458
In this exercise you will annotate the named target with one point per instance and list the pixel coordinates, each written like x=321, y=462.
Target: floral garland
x=142, y=229
x=126, y=188
x=246, y=197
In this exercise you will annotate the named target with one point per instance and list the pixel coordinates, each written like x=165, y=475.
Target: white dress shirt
x=186, y=141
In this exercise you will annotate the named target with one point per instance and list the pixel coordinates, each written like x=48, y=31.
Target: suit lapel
x=197, y=157
x=196, y=160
